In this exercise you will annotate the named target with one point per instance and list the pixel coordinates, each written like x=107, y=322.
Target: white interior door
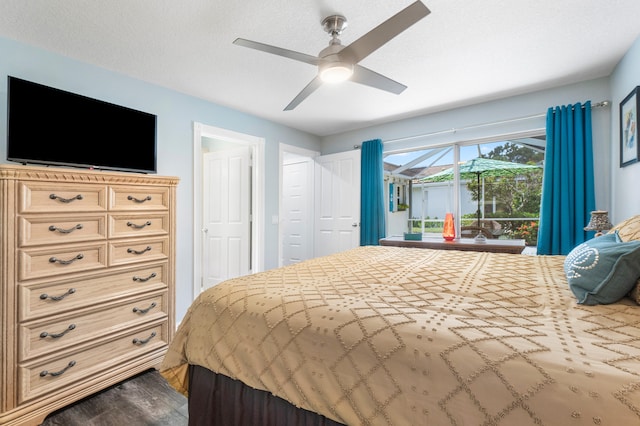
x=337, y=202
x=226, y=215
x=297, y=209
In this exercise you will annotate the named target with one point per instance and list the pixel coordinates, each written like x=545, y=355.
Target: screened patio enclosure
x=507, y=206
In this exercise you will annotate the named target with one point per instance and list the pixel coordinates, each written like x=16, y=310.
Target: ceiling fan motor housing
x=334, y=24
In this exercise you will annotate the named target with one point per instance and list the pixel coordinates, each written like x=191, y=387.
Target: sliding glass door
x=494, y=189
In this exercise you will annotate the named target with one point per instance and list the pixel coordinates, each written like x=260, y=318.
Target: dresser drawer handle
x=45, y=373
x=146, y=249
x=144, y=280
x=133, y=225
x=144, y=311
x=57, y=335
x=65, y=231
x=138, y=200
x=137, y=341
x=45, y=296
x=66, y=262
x=65, y=200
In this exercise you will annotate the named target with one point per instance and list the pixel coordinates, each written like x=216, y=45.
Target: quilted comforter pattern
x=400, y=336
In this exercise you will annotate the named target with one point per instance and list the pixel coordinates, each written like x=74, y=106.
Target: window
x=499, y=196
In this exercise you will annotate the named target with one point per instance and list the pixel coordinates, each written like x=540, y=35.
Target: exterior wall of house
x=433, y=200
x=397, y=223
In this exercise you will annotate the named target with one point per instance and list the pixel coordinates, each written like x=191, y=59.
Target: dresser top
x=71, y=175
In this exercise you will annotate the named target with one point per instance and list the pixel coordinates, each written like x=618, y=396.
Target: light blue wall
x=624, y=188
x=176, y=113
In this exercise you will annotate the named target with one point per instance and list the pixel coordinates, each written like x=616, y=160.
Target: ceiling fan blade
x=368, y=43
x=367, y=77
x=309, y=89
x=302, y=57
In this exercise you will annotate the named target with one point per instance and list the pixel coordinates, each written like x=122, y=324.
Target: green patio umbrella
x=486, y=167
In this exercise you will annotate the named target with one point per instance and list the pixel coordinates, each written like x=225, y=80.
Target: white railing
x=507, y=228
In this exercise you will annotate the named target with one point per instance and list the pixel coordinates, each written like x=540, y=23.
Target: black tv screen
x=50, y=126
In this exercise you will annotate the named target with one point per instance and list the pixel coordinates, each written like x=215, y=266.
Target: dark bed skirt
x=215, y=399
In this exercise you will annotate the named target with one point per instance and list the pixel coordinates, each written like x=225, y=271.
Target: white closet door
x=226, y=215
x=337, y=202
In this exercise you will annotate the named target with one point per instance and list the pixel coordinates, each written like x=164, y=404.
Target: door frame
x=257, y=145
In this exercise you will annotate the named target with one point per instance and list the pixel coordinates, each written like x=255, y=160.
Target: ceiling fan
x=338, y=63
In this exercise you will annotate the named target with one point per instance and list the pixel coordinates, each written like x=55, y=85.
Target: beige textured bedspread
x=387, y=335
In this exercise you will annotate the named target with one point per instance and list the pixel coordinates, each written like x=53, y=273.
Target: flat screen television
x=50, y=126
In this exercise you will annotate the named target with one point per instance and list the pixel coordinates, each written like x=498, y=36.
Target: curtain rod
x=599, y=104
x=477, y=126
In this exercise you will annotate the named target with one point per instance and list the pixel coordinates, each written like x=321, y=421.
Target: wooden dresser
x=87, y=271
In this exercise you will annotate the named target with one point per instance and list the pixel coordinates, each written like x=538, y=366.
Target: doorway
x=230, y=189
x=319, y=203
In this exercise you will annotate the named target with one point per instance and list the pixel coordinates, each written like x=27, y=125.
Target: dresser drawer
x=138, y=250
x=45, y=299
x=135, y=198
x=52, y=261
x=39, y=197
x=138, y=225
x=39, y=378
x=39, y=230
x=49, y=336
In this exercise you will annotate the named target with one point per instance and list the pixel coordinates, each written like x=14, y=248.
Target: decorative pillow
x=603, y=269
x=629, y=230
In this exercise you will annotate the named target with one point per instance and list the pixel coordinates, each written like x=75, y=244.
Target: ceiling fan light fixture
x=336, y=72
x=336, y=63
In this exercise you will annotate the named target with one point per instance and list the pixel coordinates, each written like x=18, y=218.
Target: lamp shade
x=599, y=222
x=449, y=229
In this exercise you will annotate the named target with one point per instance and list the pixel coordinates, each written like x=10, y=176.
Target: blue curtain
x=568, y=195
x=372, y=219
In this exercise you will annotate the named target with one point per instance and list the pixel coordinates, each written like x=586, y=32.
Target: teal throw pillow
x=603, y=270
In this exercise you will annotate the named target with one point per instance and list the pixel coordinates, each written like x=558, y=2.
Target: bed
x=405, y=336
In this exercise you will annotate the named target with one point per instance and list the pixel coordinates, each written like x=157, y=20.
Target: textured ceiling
x=464, y=52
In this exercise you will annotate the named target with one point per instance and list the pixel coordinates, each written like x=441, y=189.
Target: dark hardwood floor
x=143, y=400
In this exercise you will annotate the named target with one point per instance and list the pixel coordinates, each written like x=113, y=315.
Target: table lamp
x=599, y=222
